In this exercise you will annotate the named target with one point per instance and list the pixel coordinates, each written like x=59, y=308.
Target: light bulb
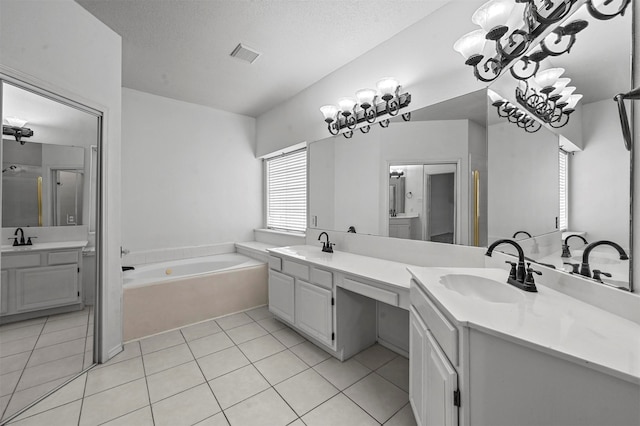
x=346, y=105
x=560, y=84
x=329, y=112
x=387, y=88
x=365, y=97
x=470, y=44
x=493, y=13
x=564, y=95
x=15, y=121
x=548, y=77
x=572, y=101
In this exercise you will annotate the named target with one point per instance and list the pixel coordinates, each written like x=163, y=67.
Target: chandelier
x=548, y=98
x=369, y=106
x=508, y=27
x=16, y=129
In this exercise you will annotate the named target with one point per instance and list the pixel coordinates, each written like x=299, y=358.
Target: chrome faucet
x=519, y=276
x=327, y=247
x=585, y=270
x=565, y=247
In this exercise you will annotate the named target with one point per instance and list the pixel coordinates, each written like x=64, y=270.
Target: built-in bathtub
x=163, y=296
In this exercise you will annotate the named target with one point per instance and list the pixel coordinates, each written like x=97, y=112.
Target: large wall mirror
x=376, y=182
x=49, y=195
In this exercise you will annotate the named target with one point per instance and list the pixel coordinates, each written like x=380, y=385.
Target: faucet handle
x=598, y=272
x=512, y=272
x=529, y=278
x=29, y=243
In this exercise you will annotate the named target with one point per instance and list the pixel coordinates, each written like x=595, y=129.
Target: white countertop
x=44, y=246
x=371, y=268
x=547, y=320
x=405, y=216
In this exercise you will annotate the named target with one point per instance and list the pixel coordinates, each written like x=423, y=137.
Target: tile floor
x=244, y=369
x=39, y=354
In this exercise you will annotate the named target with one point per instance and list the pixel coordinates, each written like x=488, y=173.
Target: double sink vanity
x=480, y=350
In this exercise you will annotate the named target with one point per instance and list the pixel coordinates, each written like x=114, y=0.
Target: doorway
x=439, y=206
x=50, y=189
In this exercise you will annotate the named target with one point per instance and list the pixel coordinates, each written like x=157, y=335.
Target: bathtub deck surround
x=488, y=338
x=165, y=296
x=245, y=369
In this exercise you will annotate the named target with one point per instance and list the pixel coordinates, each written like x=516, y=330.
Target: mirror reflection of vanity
x=49, y=262
x=518, y=188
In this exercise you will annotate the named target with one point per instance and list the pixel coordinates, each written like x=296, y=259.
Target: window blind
x=287, y=192
x=563, y=176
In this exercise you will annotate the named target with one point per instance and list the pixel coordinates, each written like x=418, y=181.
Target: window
x=286, y=178
x=563, y=185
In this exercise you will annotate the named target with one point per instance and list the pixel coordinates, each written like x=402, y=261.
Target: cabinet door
x=441, y=381
x=417, y=379
x=46, y=287
x=4, y=292
x=314, y=313
x=281, y=300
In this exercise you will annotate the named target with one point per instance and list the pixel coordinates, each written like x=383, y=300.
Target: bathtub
x=164, y=296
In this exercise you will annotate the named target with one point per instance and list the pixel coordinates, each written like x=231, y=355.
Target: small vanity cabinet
x=35, y=280
x=303, y=296
x=433, y=380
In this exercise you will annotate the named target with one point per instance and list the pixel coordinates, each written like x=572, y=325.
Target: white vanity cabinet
x=475, y=362
x=303, y=296
x=433, y=380
x=34, y=280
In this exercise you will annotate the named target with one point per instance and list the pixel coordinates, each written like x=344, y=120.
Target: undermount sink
x=481, y=288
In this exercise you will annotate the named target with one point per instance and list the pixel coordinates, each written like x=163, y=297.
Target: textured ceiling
x=180, y=48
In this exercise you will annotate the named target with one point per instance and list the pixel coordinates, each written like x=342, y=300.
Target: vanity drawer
x=368, y=290
x=322, y=278
x=296, y=269
x=20, y=260
x=275, y=263
x=444, y=331
x=62, y=257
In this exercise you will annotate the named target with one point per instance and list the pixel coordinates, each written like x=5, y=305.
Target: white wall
x=421, y=57
x=635, y=160
x=189, y=174
x=523, y=181
x=599, y=177
x=59, y=46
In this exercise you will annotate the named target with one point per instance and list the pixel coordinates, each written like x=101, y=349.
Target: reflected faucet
x=565, y=247
x=584, y=267
x=21, y=241
x=521, y=232
x=519, y=276
x=327, y=247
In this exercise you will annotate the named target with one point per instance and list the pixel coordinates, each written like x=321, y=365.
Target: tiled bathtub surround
x=40, y=354
x=244, y=369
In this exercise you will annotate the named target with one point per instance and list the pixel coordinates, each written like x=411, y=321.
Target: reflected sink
x=598, y=260
x=481, y=288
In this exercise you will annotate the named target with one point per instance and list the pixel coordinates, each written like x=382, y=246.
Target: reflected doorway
x=423, y=202
x=440, y=203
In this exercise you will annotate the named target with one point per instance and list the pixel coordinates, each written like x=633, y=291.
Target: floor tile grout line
x=207, y=382
x=54, y=360
x=84, y=393
x=363, y=409
x=23, y=370
x=146, y=382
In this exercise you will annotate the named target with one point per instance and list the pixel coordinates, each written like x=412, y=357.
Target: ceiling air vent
x=246, y=54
